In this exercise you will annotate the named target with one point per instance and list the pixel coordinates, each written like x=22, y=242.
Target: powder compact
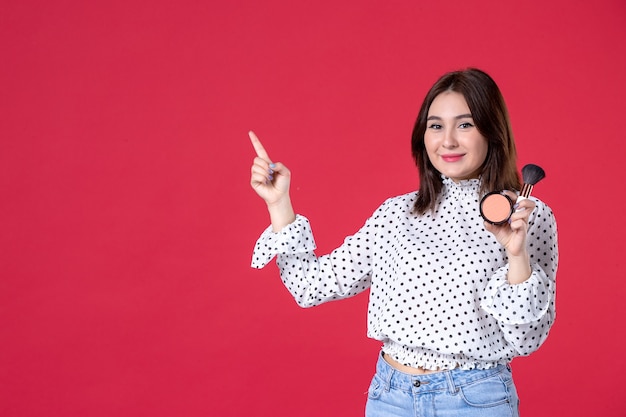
x=496, y=207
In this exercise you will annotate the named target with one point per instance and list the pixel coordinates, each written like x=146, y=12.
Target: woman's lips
x=452, y=157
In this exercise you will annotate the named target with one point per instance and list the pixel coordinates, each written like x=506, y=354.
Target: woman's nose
x=449, y=140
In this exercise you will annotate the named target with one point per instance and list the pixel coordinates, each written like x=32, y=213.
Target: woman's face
x=454, y=145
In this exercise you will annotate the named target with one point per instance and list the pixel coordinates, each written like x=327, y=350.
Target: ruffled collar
x=462, y=189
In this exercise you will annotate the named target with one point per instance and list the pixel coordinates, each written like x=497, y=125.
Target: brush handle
x=524, y=193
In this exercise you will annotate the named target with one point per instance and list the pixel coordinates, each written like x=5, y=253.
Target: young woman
x=453, y=299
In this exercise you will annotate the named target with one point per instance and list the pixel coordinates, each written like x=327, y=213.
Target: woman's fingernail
x=272, y=165
x=271, y=178
x=515, y=206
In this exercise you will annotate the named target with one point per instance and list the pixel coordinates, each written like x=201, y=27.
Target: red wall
x=127, y=221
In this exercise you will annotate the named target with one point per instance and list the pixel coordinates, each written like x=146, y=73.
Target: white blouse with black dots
x=439, y=296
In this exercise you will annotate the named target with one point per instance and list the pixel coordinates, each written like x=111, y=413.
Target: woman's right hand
x=271, y=182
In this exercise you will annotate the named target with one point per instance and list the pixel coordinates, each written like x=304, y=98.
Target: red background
x=127, y=220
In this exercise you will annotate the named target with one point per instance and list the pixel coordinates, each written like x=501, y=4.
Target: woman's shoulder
x=542, y=210
x=399, y=203
x=542, y=205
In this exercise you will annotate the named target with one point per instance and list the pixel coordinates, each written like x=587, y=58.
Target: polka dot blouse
x=439, y=296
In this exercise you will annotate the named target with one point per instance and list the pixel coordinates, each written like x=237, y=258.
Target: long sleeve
x=313, y=280
x=525, y=312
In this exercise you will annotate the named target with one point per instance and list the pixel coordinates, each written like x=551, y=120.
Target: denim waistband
x=439, y=381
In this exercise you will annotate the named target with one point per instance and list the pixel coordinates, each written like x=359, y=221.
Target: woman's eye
x=465, y=125
x=434, y=126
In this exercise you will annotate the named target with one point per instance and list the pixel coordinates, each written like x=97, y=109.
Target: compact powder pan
x=496, y=208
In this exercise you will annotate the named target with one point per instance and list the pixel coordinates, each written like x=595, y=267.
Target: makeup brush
x=496, y=207
x=531, y=175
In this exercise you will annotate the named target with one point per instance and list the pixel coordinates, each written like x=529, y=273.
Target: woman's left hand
x=512, y=235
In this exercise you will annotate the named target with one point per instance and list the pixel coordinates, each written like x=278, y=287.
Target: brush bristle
x=532, y=174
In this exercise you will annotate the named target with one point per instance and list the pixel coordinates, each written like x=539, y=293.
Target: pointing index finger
x=258, y=147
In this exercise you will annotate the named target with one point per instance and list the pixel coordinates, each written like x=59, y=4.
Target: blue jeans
x=475, y=393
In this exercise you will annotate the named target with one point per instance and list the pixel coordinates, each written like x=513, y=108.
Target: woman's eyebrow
x=460, y=116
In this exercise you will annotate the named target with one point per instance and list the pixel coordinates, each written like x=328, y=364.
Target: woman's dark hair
x=491, y=117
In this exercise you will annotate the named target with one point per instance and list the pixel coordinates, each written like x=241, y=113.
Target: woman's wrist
x=519, y=269
x=281, y=214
